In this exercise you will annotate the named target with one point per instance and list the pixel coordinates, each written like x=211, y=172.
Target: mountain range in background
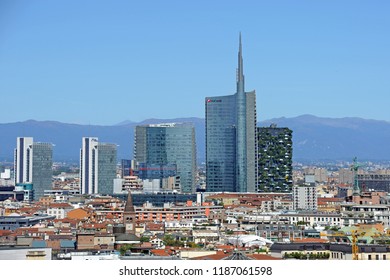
x=314, y=138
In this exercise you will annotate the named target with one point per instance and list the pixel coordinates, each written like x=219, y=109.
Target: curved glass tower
x=230, y=138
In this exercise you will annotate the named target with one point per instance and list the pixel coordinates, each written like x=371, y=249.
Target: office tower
x=274, y=159
x=97, y=166
x=230, y=138
x=107, y=154
x=33, y=165
x=167, y=150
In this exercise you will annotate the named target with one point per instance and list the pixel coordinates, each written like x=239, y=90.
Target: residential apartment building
x=173, y=213
x=274, y=159
x=352, y=214
x=305, y=197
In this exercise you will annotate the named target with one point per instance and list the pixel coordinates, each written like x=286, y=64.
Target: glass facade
x=221, y=143
x=167, y=145
x=33, y=164
x=126, y=168
x=230, y=139
x=97, y=166
x=42, y=161
x=106, y=167
x=156, y=171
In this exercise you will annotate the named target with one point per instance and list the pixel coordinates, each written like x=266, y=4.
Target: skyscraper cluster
x=240, y=157
x=233, y=155
x=33, y=163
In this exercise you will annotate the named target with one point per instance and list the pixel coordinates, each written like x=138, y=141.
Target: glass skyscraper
x=107, y=161
x=97, y=166
x=33, y=165
x=167, y=147
x=230, y=138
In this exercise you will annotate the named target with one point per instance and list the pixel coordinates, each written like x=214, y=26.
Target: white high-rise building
x=33, y=165
x=97, y=166
x=23, y=160
x=88, y=165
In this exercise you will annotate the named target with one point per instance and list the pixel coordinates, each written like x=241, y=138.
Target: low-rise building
x=59, y=210
x=352, y=214
x=14, y=221
x=25, y=253
x=312, y=218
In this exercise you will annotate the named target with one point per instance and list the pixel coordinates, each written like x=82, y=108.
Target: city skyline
x=326, y=59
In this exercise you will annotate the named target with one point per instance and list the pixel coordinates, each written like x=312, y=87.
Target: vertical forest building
x=274, y=159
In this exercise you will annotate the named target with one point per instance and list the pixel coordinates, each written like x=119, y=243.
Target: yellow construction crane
x=355, y=247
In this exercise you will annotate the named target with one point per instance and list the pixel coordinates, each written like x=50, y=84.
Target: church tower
x=129, y=215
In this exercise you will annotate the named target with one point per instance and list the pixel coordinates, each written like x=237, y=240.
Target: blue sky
x=103, y=62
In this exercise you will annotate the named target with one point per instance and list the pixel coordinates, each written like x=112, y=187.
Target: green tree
x=124, y=248
x=144, y=239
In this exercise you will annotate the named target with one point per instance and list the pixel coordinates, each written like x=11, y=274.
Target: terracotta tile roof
x=94, y=226
x=22, y=230
x=219, y=255
x=151, y=226
x=146, y=245
x=225, y=247
x=262, y=257
x=161, y=252
x=60, y=205
x=5, y=232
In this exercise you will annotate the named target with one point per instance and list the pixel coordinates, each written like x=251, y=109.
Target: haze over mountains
x=314, y=138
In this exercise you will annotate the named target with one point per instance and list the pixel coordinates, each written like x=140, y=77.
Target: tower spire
x=240, y=70
x=129, y=207
x=129, y=216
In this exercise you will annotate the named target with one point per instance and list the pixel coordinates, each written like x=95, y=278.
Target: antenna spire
x=240, y=70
